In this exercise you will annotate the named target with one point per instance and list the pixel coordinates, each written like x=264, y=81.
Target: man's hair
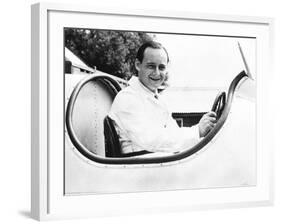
x=151, y=44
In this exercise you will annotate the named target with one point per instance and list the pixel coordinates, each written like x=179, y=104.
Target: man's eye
x=162, y=68
x=150, y=66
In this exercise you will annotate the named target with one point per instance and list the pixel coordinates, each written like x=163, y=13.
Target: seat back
x=112, y=144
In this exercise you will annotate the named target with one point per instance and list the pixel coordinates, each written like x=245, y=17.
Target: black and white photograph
x=158, y=111
x=137, y=112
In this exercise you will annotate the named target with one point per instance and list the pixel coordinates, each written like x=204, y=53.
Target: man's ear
x=137, y=64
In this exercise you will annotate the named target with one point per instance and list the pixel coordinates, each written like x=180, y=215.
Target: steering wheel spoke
x=219, y=104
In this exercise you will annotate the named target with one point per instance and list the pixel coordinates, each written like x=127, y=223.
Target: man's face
x=153, y=70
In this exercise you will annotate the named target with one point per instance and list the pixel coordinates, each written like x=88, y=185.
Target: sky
x=206, y=61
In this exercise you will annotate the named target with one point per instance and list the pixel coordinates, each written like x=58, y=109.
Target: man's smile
x=155, y=78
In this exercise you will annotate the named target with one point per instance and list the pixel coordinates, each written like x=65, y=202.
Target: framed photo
x=83, y=57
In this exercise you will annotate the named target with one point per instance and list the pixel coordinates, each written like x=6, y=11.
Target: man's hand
x=206, y=123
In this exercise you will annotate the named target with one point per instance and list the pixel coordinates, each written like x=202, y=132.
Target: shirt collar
x=136, y=84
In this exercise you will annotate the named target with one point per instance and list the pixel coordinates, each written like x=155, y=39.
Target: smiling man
x=142, y=119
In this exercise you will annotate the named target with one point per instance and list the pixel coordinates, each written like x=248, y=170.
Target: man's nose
x=156, y=71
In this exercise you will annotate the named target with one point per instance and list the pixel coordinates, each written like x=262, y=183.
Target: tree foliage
x=113, y=52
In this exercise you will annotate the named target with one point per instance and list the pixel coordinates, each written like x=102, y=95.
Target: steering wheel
x=219, y=104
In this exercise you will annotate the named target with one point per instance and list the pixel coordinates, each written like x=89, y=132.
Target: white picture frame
x=48, y=200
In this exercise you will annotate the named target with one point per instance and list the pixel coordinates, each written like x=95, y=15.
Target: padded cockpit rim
x=106, y=81
x=136, y=160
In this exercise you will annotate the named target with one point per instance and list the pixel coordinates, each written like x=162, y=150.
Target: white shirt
x=144, y=122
